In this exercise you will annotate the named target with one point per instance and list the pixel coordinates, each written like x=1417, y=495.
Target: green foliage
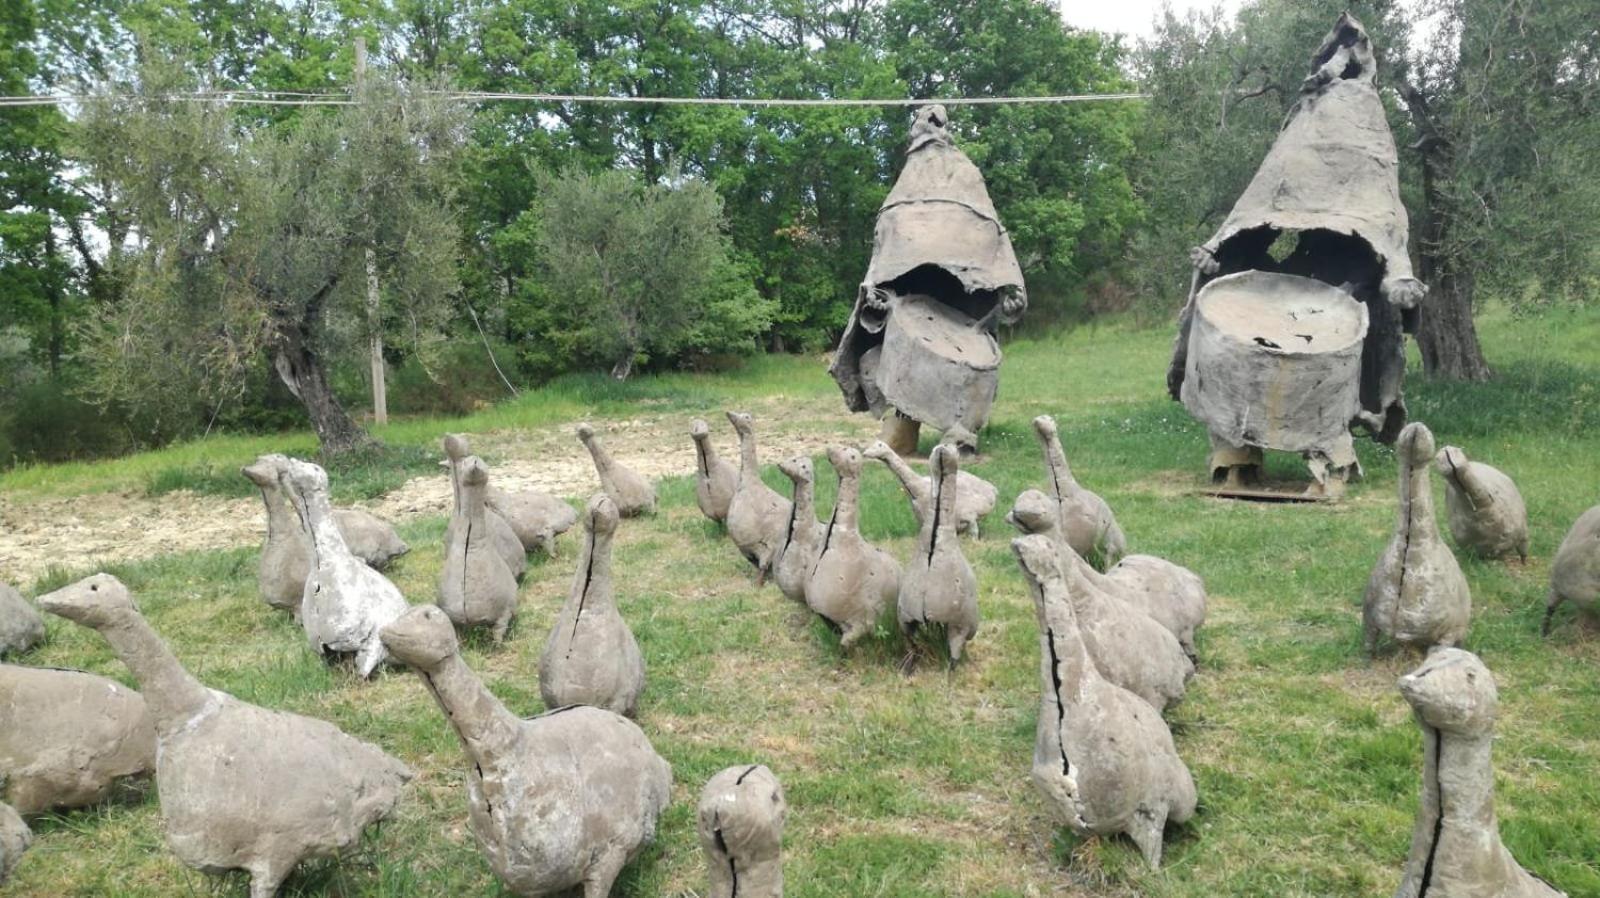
x=637, y=271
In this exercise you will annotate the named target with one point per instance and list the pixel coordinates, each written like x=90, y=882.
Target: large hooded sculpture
x=921, y=347
x=1294, y=328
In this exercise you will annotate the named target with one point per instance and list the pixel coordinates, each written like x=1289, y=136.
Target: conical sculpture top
x=1323, y=207
x=920, y=346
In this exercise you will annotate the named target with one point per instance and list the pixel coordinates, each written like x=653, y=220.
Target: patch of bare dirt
x=80, y=532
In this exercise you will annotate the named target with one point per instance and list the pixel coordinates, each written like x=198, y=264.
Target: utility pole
x=380, y=390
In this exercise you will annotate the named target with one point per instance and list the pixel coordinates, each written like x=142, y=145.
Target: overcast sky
x=1131, y=17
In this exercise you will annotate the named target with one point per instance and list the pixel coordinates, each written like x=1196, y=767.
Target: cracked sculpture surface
x=345, y=602
x=286, y=554
x=1087, y=522
x=67, y=737
x=476, y=588
x=241, y=787
x=15, y=837
x=975, y=497
x=741, y=816
x=1169, y=594
x=21, y=628
x=938, y=588
x=1575, y=573
x=1294, y=331
x=1416, y=594
x=557, y=801
x=802, y=541
x=1456, y=850
x=1103, y=760
x=591, y=657
x=506, y=543
x=758, y=515
x=715, y=479
x=536, y=518
x=1485, y=509
x=853, y=581
x=628, y=488
x=920, y=347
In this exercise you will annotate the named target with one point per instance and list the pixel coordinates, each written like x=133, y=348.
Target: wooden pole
x=380, y=389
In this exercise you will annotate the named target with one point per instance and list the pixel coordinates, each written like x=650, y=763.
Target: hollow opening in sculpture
x=938, y=283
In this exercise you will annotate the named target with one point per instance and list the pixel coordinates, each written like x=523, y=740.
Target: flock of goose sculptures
x=566, y=799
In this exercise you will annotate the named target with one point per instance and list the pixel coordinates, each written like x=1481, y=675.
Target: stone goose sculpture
x=804, y=535
x=741, y=818
x=938, y=586
x=475, y=587
x=1486, y=513
x=1130, y=648
x=632, y=493
x=241, y=787
x=1417, y=594
x=1456, y=850
x=975, y=497
x=15, y=837
x=714, y=478
x=1575, y=573
x=535, y=518
x=557, y=801
x=67, y=737
x=1103, y=760
x=1086, y=520
x=345, y=602
x=1173, y=596
x=853, y=580
x=286, y=554
x=758, y=516
x=591, y=657
x=21, y=628
x=456, y=450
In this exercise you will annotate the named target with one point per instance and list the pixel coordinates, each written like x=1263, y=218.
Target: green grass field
x=908, y=786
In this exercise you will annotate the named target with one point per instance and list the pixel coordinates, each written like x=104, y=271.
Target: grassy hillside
x=899, y=786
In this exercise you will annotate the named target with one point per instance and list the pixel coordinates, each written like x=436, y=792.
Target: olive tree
x=248, y=240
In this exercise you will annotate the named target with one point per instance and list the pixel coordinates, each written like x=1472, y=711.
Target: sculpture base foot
x=901, y=433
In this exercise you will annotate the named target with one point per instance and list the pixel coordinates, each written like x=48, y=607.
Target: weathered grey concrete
x=476, y=589
x=21, y=628
x=805, y=534
x=67, y=737
x=938, y=587
x=1416, y=595
x=345, y=601
x=1171, y=595
x=715, y=480
x=1485, y=509
x=591, y=657
x=853, y=581
x=1087, y=523
x=920, y=341
x=15, y=837
x=975, y=497
x=741, y=818
x=535, y=518
x=1103, y=760
x=758, y=516
x=369, y=537
x=1331, y=182
x=286, y=554
x=506, y=542
x=1275, y=363
x=628, y=488
x=1456, y=850
x=555, y=802
x=1575, y=573
x=242, y=787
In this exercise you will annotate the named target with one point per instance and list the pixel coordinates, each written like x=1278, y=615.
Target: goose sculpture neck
x=1416, y=498
x=172, y=694
x=1069, y=655
x=487, y=729
x=846, y=506
x=317, y=514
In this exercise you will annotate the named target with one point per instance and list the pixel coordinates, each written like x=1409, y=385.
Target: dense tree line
x=177, y=261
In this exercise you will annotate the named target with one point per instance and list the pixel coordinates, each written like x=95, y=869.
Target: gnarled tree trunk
x=304, y=373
